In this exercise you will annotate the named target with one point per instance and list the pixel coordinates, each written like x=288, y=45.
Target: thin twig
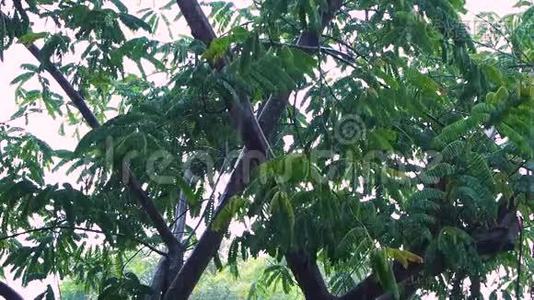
x=341, y=42
x=328, y=50
x=293, y=113
x=130, y=259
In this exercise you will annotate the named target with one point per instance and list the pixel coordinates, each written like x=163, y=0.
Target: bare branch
x=157, y=220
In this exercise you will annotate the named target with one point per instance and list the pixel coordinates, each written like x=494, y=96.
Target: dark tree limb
x=76, y=98
x=304, y=268
x=308, y=276
x=370, y=288
x=144, y=200
x=498, y=239
x=151, y=210
x=253, y=137
x=8, y=293
x=210, y=240
x=196, y=19
x=240, y=111
x=158, y=280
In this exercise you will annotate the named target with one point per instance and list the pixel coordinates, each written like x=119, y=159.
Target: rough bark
x=158, y=280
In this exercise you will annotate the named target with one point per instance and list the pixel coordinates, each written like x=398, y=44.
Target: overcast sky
x=45, y=128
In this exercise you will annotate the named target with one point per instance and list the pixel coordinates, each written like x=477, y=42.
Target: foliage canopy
x=371, y=148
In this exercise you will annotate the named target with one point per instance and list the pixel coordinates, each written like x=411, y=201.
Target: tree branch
x=150, y=208
x=240, y=111
x=309, y=278
x=76, y=98
x=171, y=264
x=497, y=239
x=8, y=293
x=196, y=19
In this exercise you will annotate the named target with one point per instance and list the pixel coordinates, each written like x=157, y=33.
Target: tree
x=373, y=148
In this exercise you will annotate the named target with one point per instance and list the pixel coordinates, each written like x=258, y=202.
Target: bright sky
x=46, y=128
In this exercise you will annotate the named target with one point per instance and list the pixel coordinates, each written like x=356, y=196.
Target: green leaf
x=22, y=78
x=31, y=37
x=133, y=22
x=384, y=272
x=217, y=48
x=403, y=256
x=493, y=74
x=422, y=81
x=186, y=189
x=118, y=3
x=523, y=3
x=239, y=34
x=226, y=214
